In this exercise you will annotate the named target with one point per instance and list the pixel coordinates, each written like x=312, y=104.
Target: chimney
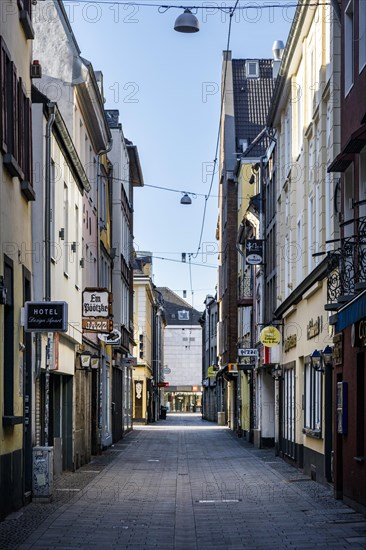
x=277, y=50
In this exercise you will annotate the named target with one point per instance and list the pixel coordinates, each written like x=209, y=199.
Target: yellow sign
x=270, y=337
x=211, y=372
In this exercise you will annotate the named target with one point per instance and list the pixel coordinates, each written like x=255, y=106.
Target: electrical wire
x=180, y=262
x=218, y=132
x=162, y=8
x=192, y=193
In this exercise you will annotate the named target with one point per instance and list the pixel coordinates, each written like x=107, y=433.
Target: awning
x=351, y=313
x=354, y=145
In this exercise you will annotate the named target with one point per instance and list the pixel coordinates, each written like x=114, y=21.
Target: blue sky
x=166, y=86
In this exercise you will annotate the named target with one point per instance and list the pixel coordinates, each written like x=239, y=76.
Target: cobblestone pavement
x=183, y=484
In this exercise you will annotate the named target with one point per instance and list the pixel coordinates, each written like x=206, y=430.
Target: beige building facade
x=305, y=115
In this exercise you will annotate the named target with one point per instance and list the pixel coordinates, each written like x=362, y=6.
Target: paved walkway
x=185, y=484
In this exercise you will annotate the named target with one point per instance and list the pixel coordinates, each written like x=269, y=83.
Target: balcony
x=245, y=291
x=346, y=275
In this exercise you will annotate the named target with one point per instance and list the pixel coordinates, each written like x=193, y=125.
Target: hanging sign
x=270, y=336
x=45, y=317
x=254, y=251
x=247, y=352
x=96, y=303
x=113, y=337
x=97, y=325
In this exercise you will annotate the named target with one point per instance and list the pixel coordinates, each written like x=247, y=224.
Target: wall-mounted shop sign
x=290, y=342
x=113, y=338
x=247, y=352
x=45, y=317
x=97, y=325
x=212, y=371
x=97, y=302
x=314, y=327
x=129, y=361
x=270, y=336
x=254, y=251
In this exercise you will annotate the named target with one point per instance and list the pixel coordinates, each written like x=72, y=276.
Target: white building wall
x=183, y=355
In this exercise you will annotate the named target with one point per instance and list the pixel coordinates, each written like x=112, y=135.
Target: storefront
x=350, y=411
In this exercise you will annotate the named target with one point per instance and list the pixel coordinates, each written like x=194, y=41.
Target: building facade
x=70, y=81
x=247, y=89
x=305, y=115
x=346, y=297
x=210, y=367
x=16, y=194
x=127, y=174
x=182, y=354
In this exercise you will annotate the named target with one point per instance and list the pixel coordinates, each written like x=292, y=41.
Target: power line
x=218, y=132
x=162, y=8
x=180, y=262
x=192, y=193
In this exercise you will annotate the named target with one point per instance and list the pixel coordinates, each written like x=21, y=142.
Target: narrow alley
x=185, y=483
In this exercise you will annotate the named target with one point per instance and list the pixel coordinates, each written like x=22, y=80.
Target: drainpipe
x=47, y=266
x=47, y=200
x=101, y=370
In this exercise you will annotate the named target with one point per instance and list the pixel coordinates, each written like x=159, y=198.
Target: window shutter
x=4, y=60
x=28, y=143
x=15, y=113
x=21, y=126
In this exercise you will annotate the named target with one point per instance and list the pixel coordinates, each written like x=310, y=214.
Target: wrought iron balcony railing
x=245, y=289
x=347, y=267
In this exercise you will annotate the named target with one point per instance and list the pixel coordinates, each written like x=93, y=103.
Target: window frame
x=313, y=400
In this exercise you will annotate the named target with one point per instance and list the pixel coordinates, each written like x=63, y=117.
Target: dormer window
x=252, y=69
x=183, y=315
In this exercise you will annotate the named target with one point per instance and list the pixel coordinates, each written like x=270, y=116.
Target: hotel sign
x=45, y=317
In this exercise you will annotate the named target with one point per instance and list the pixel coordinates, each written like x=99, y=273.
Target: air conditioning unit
x=36, y=70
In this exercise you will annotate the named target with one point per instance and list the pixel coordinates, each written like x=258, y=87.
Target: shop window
x=313, y=400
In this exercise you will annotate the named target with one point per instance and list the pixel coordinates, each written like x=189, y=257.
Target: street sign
x=247, y=352
x=45, y=317
x=163, y=384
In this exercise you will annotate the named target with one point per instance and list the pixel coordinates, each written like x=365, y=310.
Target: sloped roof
x=252, y=97
x=177, y=310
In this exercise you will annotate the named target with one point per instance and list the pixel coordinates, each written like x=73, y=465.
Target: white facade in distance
x=183, y=355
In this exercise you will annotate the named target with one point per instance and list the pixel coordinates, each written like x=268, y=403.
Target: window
x=66, y=228
x=77, y=254
x=15, y=123
x=103, y=201
x=348, y=47
x=8, y=339
x=362, y=35
x=313, y=399
x=310, y=232
x=252, y=69
x=299, y=247
x=183, y=315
